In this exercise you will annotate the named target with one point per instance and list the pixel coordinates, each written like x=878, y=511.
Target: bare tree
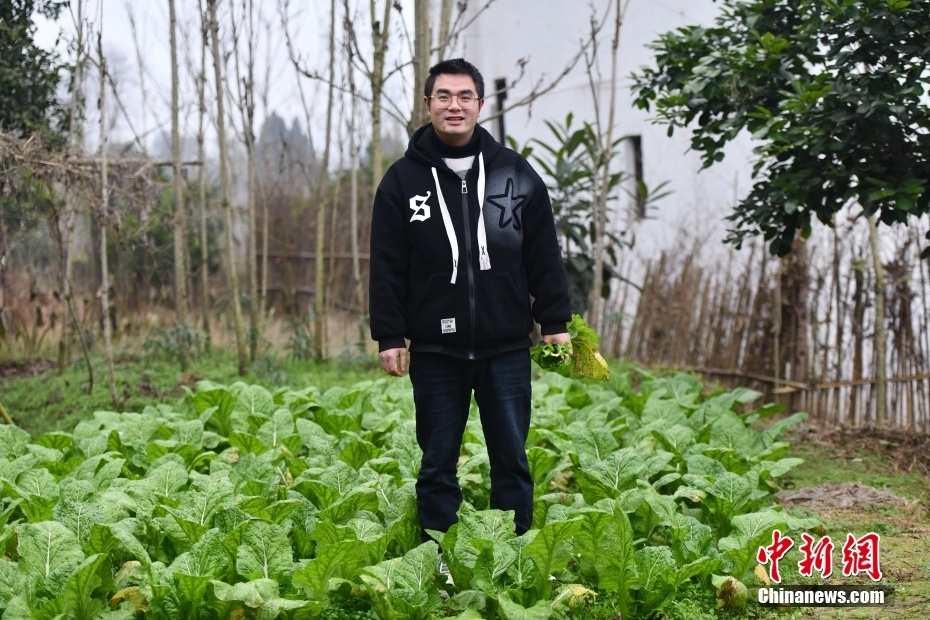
x=421, y=62
x=76, y=134
x=202, y=180
x=104, y=202
x=445, y=23
x=604, y=160
x=881, y=386
x=353, y=202
x=245, y=87
x=319, y=284
x=231, y=269
x=180, y=209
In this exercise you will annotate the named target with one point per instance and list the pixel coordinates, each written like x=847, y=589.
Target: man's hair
x=455, y=66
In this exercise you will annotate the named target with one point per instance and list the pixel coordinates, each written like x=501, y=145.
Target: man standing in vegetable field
x=462, y=234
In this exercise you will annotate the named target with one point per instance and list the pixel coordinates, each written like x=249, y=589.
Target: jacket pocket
x=439, y=311
x=502, y=308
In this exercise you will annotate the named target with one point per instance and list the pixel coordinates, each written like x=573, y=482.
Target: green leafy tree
x=573, y=162
x=833, y=91
x=29, y=75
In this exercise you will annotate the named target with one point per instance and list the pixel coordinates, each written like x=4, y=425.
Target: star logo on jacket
x=420, y=208
x=509, y=205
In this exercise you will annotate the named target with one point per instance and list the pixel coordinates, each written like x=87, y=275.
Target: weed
x=166, y=343
x=300, y=343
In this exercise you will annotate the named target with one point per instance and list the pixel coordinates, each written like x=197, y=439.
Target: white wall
x=549, y=32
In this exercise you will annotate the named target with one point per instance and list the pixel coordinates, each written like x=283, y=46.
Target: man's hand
x=394, y=361
x=556, y=339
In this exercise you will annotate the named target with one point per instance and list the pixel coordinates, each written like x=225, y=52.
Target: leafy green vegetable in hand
x=578, y=360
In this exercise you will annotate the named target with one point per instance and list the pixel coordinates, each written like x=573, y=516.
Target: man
x=462, y=234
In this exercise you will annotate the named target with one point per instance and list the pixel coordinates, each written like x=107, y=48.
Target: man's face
x=454, y=124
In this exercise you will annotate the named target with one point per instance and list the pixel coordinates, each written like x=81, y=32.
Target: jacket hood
x=421, y=148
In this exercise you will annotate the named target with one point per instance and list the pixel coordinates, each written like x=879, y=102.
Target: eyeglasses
x=444, y=100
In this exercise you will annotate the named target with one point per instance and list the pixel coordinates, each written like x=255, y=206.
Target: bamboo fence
x=799, y=329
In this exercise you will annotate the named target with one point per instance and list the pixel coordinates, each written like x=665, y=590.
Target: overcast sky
x=124, y=45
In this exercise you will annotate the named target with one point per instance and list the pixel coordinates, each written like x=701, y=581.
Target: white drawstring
x=450, y=231
x=484, y=258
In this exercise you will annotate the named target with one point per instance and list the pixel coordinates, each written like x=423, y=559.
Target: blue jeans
x=442, y=388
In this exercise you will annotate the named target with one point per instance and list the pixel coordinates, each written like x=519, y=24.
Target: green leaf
x=605, y=541
x=78, y=600
x=79, y=517
x=514, y=611
x=347, y=507
x=265, y=552
x=322, y=495
x=247, y=443
x=656, y=576
x=342, y=559
x=13, y=441
x=492, y=565
x=281, y=426
x=252, y=400
x=55, y=440
x=594, y=445
x=220, y=417
x=187, y=595
x=47, y=547
x=541, y=462
x=207, y=558
x=493, y=525
x=12, y=581
x=357, y=453
x=208, y=495
x=417, y=567
x=279, y=511
x=251, y=594
x=550, y=549
x=168, y=477
x=618, y=472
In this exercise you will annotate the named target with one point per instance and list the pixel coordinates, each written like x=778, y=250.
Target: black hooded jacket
x=465, y=295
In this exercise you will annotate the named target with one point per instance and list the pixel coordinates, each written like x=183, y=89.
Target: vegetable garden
x=243, y=502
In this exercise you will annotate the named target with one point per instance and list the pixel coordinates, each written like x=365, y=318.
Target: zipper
x=469, y=271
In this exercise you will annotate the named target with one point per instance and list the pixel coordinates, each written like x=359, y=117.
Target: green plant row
x=240, y=502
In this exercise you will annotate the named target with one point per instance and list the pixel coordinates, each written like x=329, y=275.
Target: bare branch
x=539, y=89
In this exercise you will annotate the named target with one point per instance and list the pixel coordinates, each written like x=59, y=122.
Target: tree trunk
x=379, y=39
x=202, y=181
x=246, y=89
x=232, y=273
x=319, y=306
x=881, y=386
x=604, y=159
x=75, y=119
x=445, y=23
x=421, y=60
x=777, y=326
x=4, y=311
x=263, y=295
x=857, y=329
x=104, y=200
x=353, y=206
x=801, y=289
x=180, y=209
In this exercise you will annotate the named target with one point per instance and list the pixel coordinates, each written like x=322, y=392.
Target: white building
x=548, y=33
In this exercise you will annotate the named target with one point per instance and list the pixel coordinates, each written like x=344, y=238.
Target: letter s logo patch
x=420, y=208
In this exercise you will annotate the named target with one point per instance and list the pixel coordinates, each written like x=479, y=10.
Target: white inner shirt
x=460, y=165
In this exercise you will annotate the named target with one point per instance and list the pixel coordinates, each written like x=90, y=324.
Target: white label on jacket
x=448, y=326
x=420, y=208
